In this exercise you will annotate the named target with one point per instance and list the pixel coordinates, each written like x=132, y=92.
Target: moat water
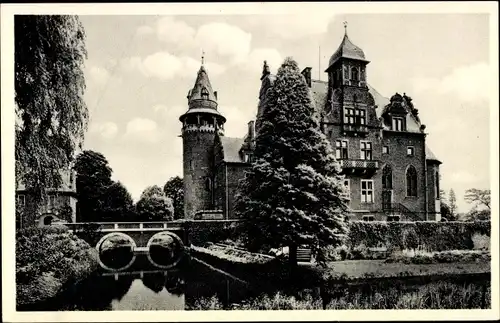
x=144, y=286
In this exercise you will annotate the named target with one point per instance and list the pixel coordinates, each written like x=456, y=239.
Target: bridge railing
x=128, y=226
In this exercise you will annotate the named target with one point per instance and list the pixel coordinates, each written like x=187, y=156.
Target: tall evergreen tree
x=49, y=87
x=292, y=194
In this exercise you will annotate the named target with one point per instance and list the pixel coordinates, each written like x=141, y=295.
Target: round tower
x=200, y=124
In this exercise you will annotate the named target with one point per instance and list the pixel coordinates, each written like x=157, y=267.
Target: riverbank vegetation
x=47, y=259
x=440, y=295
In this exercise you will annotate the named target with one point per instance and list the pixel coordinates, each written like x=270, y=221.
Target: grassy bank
x=440, y=295
x=47, y=259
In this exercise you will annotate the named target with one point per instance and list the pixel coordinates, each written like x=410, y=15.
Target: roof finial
x=202, y=57
x=345, y=27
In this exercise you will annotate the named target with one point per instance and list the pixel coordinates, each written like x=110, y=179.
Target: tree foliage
x=453, y=202
x=292, y=194
x=174, y=189
x=51, y=115
x=481, y=198
x=153, y=205
x=99, y=197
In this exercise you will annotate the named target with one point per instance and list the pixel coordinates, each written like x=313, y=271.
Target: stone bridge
x=142, y=236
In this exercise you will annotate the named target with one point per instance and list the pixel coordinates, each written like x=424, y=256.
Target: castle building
x=60, y=204
x=390, y=172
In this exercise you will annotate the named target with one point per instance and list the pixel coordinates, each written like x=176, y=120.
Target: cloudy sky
x=140, y=68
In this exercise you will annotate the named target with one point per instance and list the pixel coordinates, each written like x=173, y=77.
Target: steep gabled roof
x=429, y=155
x=231, y=149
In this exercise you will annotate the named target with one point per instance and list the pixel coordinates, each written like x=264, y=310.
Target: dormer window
x=354, y=74
x=398, y=124
x=204, y=93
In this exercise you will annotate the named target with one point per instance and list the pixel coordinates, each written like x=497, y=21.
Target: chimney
x=307, y=75
x=215, y=94
x=251, y=130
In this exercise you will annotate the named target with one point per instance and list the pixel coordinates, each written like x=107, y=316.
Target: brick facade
x=34, y=214
x=382, y=150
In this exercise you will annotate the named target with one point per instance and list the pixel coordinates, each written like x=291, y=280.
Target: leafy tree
x=292, y=194
x=482, y=204
x=51, y=115
x=92, y=181
x=453, y=202
x=174, y=189
x=153, y=205
x=118, y=203
x=478, y=197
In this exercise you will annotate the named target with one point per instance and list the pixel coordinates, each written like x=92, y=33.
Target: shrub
x=419, y=256
x=481, y=242
x=435, y=236
x=46, y=259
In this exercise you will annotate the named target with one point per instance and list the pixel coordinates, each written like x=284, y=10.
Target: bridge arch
x=179, y=247
x=106, y=237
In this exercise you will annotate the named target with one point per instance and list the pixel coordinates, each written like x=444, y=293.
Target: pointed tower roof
x=347, y=50
x=202, y=98
x=202, y=89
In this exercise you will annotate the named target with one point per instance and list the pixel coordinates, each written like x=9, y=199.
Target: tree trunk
x=292, y=255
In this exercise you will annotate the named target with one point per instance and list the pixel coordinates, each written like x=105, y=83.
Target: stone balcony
x=359, y=165
x=356, y=129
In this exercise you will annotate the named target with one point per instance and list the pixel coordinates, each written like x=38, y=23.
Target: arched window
x=387, y=177
x=354, y=74
x=411, y=181
x=208, y=184
x=346, y=72
x=204, y=93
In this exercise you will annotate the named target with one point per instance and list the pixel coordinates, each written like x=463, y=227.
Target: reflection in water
x=150, y=288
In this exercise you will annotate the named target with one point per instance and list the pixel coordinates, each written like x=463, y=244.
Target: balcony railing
x=357, y=128
x=359, y=164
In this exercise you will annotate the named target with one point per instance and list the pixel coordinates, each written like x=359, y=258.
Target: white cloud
x=173, y=31
x=469, y=83
x=99, y=75
x=107, y=130
x=165, y=66
x=224, y=39
x=141, y=129
x=238, y=119
x=294, y=26
x=216, y=39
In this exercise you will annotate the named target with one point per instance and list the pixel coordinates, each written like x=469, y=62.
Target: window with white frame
x=410, y=151
x=347, y=188
x=349, y=116
x=360, y=117
x=21, y=200
x=366, y=150
x=367, y=191
x=341, y=149
x=385, y=149
x=398, y=124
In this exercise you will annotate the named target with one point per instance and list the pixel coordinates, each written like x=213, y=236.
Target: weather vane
x=345, y=26
x=202, y=57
